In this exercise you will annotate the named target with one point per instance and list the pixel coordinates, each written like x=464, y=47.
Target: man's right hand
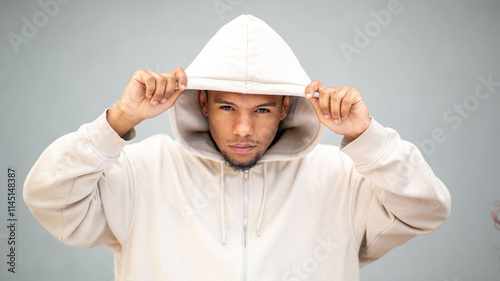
x=147, y=95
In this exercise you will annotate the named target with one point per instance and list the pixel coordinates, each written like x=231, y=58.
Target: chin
x=241, y=165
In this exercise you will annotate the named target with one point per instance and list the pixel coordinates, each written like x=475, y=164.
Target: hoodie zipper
x=245, y=222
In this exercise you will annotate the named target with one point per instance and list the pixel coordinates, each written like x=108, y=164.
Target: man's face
x=243, y=126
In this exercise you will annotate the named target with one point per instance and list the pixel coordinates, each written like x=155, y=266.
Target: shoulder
x=152, y=142
x=329, y=153
x=152, y=147
x=326, y=157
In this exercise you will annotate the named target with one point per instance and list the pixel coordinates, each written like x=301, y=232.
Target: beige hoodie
x=172, y=210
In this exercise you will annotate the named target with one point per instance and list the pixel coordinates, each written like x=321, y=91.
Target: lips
x=241, y=148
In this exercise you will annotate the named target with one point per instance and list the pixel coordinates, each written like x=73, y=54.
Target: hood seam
x=222, y=206
x=246, y=80
x=246, y=59
x=262, y=201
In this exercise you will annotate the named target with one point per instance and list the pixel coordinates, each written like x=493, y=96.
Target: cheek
x=268, y=129
x=219, y=128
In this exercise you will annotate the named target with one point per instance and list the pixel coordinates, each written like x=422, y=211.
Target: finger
x=324, y=102
x=176, y=94
x=181, y=78
x=144, y=77
x=347, y=102
x=335, y=103
x=160, y=84
x=171, y=93
x=315, y=104
x=313, y=87
x=320, y=104
x=171, y=83
x=177, y=80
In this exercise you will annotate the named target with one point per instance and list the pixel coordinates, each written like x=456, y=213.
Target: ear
x=203, y=101
x=285, y=107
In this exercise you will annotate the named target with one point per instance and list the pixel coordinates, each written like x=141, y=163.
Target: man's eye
x=263, y=110
x=225, y=107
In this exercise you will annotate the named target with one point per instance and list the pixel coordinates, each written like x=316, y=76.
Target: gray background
x=416, y=68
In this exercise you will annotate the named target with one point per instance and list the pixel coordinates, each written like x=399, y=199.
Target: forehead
x=243, y=99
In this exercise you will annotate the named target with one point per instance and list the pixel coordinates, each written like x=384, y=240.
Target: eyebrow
x=221, y=101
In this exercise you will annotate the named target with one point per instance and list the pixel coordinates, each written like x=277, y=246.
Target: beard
x=241, y=166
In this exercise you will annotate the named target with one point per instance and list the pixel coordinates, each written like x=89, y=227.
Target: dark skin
x=149, y=94
x=243, y=126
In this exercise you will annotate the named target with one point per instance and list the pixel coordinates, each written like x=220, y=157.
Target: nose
x=243, y=125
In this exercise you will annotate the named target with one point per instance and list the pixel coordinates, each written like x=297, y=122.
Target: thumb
x=177, y=93
x=315, y=104
x=312, y=95
x=179, y=84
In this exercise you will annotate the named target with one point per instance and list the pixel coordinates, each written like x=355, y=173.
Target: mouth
x=242, y=148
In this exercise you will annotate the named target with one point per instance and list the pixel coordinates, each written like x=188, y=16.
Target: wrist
x=351, y=138
x=120, y=121
x=360, y=131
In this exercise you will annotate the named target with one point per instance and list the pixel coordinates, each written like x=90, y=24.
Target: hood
x=247, y=56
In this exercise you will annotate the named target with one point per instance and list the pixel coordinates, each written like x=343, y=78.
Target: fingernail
x=155, y=102
x=326, y=116
x=342, y=118
x=163, y=100
x=308, y=95
x=336, y=121
x=150, y=96
x=183, y=86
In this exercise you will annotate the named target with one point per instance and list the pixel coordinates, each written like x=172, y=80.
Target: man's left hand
x=341, y=109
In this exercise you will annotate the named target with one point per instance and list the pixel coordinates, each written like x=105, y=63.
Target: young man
x=244, y=192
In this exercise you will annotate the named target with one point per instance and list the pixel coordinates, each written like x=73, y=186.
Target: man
x=244, y=192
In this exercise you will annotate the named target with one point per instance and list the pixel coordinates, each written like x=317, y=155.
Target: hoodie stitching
x=246, y=81
x=131, y=179
x=262, y=201
x=246, y=61
x=354, y=236
x=222, y=206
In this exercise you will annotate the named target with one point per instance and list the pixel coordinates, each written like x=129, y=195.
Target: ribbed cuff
x=104, y=139
x=369, y=146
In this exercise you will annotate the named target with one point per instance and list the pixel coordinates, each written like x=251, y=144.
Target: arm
x=64, y=189
x=395, y=193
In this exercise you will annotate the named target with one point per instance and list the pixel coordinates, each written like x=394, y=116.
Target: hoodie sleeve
x=64, y=188
x=396, y=195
